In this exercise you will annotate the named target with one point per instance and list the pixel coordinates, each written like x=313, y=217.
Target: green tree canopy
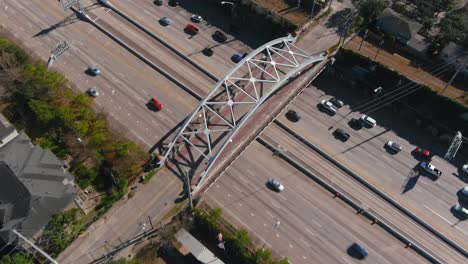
x=18, y=258
x=370, y=9
x=43, y=111
x=454, y=27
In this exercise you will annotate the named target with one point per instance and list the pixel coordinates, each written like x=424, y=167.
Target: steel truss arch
x=233, y=100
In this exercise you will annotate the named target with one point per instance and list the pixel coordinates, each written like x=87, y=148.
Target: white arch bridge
x=232, y=101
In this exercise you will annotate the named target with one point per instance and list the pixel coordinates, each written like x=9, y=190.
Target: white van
x=368, y=120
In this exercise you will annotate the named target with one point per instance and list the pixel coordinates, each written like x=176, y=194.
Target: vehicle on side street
x=173, y=2
x=165, y=21
x=458, y=209
x=236, y=58
x=328, y=106
x=431, y=169
x=94, y=70
x=208, y=52
x=276, y=185
x=93, y=92
x=341, y=135
x=197, y=18
x=293, y=116
x=337, y=103
x=421, y=154
x=393, y=146
x=191, y=29
x=368, y=121
x=219, y=36
x=357, y=251
x=156, y=104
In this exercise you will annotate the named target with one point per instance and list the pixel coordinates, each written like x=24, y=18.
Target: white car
x=459, y=209
x=166, y=21
x=276, y=184
x=394, y=146
x=368, y=120
x=197, y=18
x=465, y=168
x=93, y=92
x=328, y=106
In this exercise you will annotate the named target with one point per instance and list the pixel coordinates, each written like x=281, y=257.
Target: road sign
x=60, y=48
x=68, y=3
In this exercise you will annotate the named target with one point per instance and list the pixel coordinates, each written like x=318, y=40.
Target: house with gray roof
x=401, y=27
x=33, y=186
x=456, y=55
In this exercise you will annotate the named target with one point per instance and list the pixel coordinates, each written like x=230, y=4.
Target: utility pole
x=378, y=50
x=362, y=40
x=453, y=76
x=313, y=9
x=35, y=247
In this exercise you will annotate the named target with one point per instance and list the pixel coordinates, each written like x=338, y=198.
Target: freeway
x=365, y=155
x=320, y=166
x=314, y=227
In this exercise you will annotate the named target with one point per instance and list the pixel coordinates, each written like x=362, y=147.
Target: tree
x=43, y=111
x=370, y=9
x=262, y=256
x=8, y=47
x=454, y=27
x=18, y=258
x=39, y=83
x=10, y=69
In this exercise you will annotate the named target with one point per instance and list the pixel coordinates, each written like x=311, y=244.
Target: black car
x=173, y=3
x=355, y=123
x=337, y=103
x=293, y=116
x=341, y=134
x=219, y=36
x=158, y=2
x=208, y=52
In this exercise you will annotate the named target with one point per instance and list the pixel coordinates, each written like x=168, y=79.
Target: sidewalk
x=403, y=65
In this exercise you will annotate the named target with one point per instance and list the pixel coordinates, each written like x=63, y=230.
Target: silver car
x=166, y=21
x=276, y=184
x=93, y=92
x=197, y=18
x=93, y=69
x=394, y=146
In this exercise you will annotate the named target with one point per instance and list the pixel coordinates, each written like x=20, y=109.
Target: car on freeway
x=421, y=154
x=276, y=185
x=458, y=209
x=208, y=52
x=173, y=2
x=464, y=192
x=158, y=2
x=341, y=134
x=165, y=21
x=236, y=58
x=393, y=146
x=358, y=251
x=293, y=116
x=431, y=169
x=156, y=104
x=93, y=92
x=219, y=36
x=368, y=121
x=328, y=106
x=94, y=70
x=355, y=123
x=191, y=29
x=197, y=18
x=337, y=103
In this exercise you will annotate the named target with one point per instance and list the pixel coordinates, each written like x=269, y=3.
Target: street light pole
x=378, y=50
x=362, y=40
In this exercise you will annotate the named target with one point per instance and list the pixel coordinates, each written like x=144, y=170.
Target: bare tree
x=10, y=69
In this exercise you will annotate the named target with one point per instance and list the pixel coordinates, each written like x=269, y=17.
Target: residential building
x=401, y=27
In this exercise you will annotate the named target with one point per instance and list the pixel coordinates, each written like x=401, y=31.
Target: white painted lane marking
x=242, y=179
x=305, y=242
x=437, y=214
x=308, y=230
x=237, y=188
x=253, y=174
x=319, y=225
x=291, y=246
x=346, y=260
x=268, y=213
x=284, y=198
x=275, y=204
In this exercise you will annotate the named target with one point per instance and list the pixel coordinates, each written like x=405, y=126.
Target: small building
x=197, y=249
x=401, y=27
x=33, y=185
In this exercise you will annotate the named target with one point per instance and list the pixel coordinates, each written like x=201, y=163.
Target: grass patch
x=174, y=210
x=151, y=175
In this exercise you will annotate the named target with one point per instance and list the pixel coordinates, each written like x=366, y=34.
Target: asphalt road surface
x=365, y=154
x=314, y=227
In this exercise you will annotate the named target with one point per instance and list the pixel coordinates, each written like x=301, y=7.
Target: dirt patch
x=290, y=12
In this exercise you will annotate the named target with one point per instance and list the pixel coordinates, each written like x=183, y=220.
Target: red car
x=156, y=104
x=421, y=153
x=191, y=29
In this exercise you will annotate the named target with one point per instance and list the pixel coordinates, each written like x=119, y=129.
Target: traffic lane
x=142, y=79
x=154, y=50
x=154, y=200
x=309, y=218
x=365, y=160
x=328, y=172
x=148, y=15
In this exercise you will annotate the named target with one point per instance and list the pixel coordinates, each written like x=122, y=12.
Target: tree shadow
x=340, y=20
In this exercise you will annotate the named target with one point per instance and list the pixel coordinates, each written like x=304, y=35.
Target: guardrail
x=355, y=205
x=138, y=55
x=156, y=37
x=376, y=191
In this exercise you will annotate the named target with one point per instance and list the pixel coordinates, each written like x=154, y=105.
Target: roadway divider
x=138, y=25
x=138, y=55
x=376, y=191
x=369, y=214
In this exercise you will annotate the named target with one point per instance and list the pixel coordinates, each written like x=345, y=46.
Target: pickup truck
x=431, y=169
